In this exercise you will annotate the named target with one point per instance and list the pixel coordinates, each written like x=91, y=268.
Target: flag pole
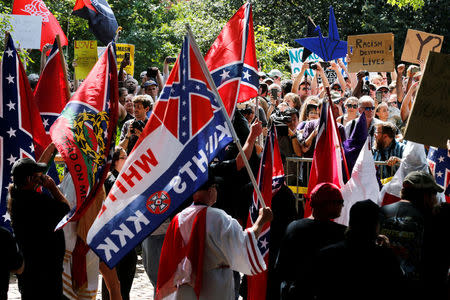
x=224, y=111
x=338, y=133
x=63, y=63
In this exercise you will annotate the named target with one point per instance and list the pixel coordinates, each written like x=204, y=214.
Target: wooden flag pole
x=63, y=63
x=224, y=111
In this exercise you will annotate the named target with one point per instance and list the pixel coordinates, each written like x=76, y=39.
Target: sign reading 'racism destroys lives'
x=371, y=52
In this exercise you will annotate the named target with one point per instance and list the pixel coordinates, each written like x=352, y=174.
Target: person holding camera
x=131, y=129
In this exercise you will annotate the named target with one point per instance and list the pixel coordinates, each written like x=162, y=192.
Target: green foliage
x=271, y=55
x=415, y=4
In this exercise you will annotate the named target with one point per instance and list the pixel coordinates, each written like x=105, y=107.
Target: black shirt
x=10, y=259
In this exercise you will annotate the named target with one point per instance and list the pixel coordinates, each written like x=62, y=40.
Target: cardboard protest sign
x=85, y=53
x=371, y=52
x=26, y=30
x=418, y=44
x=121, y=49
x=432, y=104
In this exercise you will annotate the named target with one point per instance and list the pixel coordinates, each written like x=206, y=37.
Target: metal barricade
x=299, y=190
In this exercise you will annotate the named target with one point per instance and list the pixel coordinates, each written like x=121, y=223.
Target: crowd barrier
x=300, y=186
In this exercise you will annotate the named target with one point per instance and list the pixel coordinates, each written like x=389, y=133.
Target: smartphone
x=127, y=56
x=274, y=93
x=152, y=72
x=171, y=60
x=379, y=96
x=415, y=69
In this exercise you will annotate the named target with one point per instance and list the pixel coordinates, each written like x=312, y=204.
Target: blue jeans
x=151, y=251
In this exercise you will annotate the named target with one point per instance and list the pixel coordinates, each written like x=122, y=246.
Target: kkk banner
x=102, y=22
x=232, y=60
x=50, y=26
x=169, y=162
x=270, y=178
x=21, y=129
x=85, y=132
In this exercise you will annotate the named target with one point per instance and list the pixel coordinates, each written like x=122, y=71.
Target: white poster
x=26, y=30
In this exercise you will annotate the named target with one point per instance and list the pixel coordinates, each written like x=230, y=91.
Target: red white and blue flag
x=102, y=22
x=169, y=162
x=50, y=26
x=327, y=160
x=21, y=129
x=232, y=60
x=51, y=94
x=85, y=132
x=270, y=178
x=439, y=161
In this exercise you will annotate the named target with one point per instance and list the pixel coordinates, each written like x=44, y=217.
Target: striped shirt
x=394, y=149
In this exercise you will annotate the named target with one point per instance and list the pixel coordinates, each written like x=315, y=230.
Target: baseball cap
x=268, y=81
x=324, y=192
x=383, y=87
x=275, y=72
x=262, y=74
x=421, y=180
x=26, y=166
x=335, y=96
x=149, y=83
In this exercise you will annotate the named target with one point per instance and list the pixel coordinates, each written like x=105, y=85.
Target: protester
x=416, y=227
x=354, y=268
x=203, y=246
x=34, y=216
x=387, y=149
x=292, y=100
x=132, y=129
x=276, y=75
x=351, y=111
x=304, y=238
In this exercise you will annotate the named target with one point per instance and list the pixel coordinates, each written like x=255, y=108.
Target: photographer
x=132, y=129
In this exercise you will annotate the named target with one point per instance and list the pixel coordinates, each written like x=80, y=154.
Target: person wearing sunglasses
x=351, y=108
x=366, y=106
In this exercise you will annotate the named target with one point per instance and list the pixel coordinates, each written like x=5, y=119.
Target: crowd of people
x=399, y=251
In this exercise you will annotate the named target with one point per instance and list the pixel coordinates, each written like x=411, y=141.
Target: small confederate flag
x=270, y=179
x=50, y=26
x=439, y=161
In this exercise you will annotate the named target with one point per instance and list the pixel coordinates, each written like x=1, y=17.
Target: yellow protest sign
x=432, y=104
x=418, y=44
x=85, y=53
x=371, y=52
x=121, y=49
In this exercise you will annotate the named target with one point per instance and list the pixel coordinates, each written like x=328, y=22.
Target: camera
x=324, y=64
x=152, y=72
x=274, y=93
x=366, y=73
x=171, y=60
x=137, y=124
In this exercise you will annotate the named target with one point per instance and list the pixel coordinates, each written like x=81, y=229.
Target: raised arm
x=255, y=131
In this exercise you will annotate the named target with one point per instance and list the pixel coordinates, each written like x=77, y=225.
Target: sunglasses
x=352, y=106
x=306, y=89
x=385, y=92
x=122, y=157
x=337, y=89
x=392, y=103
x=370, y=108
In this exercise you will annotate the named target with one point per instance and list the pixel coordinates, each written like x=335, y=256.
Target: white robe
x=227, y=248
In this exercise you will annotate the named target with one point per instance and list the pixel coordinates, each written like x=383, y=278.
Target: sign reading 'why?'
x=418, y=44
x=371, y=52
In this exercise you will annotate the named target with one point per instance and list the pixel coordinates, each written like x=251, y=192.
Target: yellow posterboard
x=371, y=52
x=121, y=49
x=85, y=53
x=418, y=44
x=432, y=104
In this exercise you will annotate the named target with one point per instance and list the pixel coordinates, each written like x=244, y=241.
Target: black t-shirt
x=34, y=217
x=349, y=270
x=403, y=224
x=299, y=247
x=10, y=259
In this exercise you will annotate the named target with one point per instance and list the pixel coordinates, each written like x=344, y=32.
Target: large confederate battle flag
x=21, y=130
x=232, y=60
x=270, y=179
x=102, y=21
x=84, y=134
x=169, y=162
x=50, y=26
